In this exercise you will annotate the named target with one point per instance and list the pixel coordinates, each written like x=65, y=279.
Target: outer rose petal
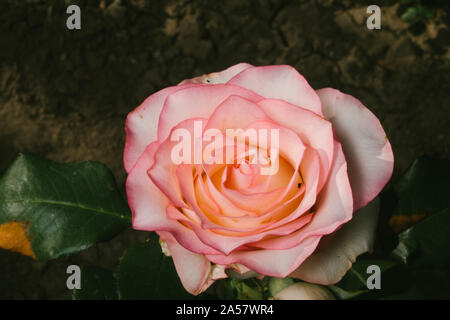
x=366, y=147
x=195, y=271
x=329, y=264
x=141, y=125
x=304, y=291
x=279, y=82
x=148, y=204
x=219, y=77
x=192, y=268
x=274, y=263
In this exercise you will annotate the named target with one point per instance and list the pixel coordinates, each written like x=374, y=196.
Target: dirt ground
x=65, y=94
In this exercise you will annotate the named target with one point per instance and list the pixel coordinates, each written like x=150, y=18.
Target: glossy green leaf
x=426, y=244
x=68, y=207
x=96, y=284
x=422, y=213
x=145, y=273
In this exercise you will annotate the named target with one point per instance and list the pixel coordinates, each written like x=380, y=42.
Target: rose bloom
x=309, y=220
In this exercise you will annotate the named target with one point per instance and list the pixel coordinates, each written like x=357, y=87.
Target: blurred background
x=65, y=94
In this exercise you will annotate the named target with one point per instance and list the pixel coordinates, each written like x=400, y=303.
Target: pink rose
x=332, y=160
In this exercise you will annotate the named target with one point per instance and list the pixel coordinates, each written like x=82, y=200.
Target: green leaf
x=421, y=191
x=244, y=291
x=96, y=284
x=424, y=247
x=146, y=273
x=426, y=244
x=67, y=207
x=410, y=14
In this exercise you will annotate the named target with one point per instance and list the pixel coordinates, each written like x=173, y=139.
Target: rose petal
x=226, y=242
x=148, y=205
x=214, y=220
x=163, y=171
x=200, y=102
x=279, y=82
x=312, y=129
x=143, y=196
x=141, y=126
x=280, y=263
x=329, y=264
x=274, y=263
x=334, y=207
x=192, y=268
x=366, y=147
x=235, y=112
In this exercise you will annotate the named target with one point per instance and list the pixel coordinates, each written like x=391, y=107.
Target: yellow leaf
x=13, y=237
